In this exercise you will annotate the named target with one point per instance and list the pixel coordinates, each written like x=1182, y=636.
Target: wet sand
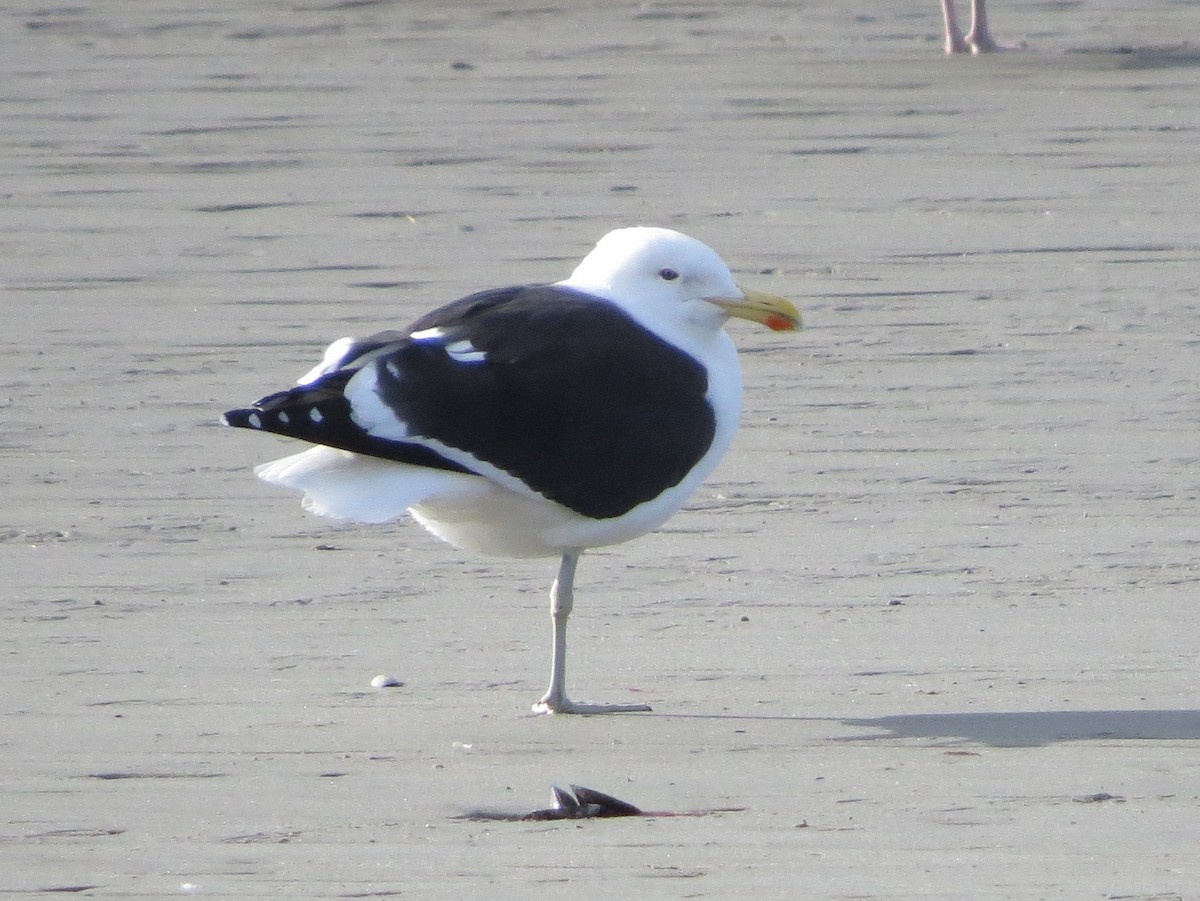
x=932, y=623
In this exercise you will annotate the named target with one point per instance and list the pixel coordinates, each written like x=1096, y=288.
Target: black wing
x=559, y=390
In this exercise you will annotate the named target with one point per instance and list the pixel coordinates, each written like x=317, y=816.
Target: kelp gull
x=532, y=421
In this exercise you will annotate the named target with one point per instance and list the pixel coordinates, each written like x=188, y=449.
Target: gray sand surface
x=933, y=624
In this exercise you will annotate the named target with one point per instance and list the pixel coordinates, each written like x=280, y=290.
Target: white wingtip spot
x=334, y=356
x=465, y=352
x=284, y=418
x=428, y=334
x=255, y=421
x=315, y=415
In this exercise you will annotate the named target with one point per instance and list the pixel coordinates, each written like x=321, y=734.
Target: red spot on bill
x=780, y=324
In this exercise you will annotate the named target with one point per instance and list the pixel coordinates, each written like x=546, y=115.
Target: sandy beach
x=931, y=627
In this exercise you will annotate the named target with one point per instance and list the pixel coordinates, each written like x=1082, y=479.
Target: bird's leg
x=562, y=598
x=979, y=38
x=954, y=40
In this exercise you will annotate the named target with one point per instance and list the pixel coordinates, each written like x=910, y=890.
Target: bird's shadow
x=1014, y=729
x=1153, y=56
x=1094, y=58
x=1037, y=728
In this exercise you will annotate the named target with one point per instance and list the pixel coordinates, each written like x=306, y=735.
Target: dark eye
x=668, y=275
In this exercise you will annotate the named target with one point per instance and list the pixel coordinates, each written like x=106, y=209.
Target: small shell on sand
x=383, y=680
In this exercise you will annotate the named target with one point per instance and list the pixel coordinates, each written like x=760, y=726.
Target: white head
x=660, y=276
